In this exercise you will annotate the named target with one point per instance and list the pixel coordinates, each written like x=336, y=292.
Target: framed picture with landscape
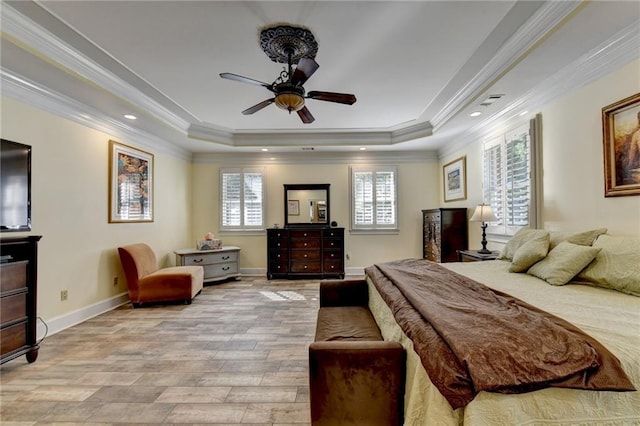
x=621, y=138
x=130, y=184
x=455, y=180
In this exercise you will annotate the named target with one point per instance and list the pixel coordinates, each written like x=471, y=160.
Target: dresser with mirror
x=308, y=246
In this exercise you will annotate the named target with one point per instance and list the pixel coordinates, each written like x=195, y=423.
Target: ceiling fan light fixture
x=289, y=101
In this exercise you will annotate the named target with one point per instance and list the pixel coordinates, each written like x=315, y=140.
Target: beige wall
x=70, y=209
x=572, y=161
x=416, y=191
x=77, y=252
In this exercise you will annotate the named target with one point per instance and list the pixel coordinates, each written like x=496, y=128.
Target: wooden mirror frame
x=306, y=187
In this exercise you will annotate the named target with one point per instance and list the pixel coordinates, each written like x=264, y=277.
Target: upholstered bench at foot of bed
x=355, y=377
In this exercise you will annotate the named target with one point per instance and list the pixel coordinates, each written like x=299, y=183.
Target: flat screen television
x=15, y=186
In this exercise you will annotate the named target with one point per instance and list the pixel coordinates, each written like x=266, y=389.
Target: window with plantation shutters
x=241, y=199
x=374, y=201
x=509, y=180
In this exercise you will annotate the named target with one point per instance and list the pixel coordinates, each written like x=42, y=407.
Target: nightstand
x=474, y=256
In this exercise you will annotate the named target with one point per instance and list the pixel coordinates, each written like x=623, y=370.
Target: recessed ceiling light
x=475, y=114
x=130, y=117
x=264, y=149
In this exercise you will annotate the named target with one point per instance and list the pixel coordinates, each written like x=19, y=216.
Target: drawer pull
x=197, y=260
x=305, y=234
x=225, y=268
x=306, y=255
x=305, y=266
x=226, y=257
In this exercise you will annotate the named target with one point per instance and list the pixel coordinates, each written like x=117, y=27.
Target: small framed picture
x=621, y=138
x=293, y=208
x=455, y=179
x=130, y=184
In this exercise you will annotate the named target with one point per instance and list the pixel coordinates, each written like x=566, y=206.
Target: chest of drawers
x=218, y=264
x=305, y=253
x=444, y=232
x=18, y=310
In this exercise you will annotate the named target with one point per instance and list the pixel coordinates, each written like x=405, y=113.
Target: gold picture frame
x=454, y=175
x=130, y=184
x=621, y=140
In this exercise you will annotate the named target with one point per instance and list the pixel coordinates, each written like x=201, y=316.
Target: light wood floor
x=236, y=355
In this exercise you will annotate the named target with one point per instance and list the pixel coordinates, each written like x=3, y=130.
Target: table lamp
x=483, y=214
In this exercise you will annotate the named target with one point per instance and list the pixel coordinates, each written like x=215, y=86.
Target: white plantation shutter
x=493, y=188
x=385, y=198
x=363, y=198
x=509, y=180
x=518, y=183
x=242, y=199
x=253, y=199
x=374, y=198
x=231, y=199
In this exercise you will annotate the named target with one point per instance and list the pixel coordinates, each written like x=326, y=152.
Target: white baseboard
x=57, y=324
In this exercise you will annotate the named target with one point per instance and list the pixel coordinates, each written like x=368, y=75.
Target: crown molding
x=30, y=93
x=617, y=51
x=29, y=33
x=39, y=39
x=378, y=157
x=355, y=137
x=515, y=48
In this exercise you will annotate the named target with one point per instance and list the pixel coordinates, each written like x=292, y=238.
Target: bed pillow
x=520, y=237
x=563, y=263
x=617, y=266
x=585, y=238
x=530, y=253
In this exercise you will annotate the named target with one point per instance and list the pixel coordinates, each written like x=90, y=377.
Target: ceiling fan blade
x=305, y=69
x=341, y=98
x=305, y=115
x=236, y=77
x=258, y=107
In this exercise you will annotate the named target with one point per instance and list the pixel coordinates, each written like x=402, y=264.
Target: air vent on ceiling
x=491, y=99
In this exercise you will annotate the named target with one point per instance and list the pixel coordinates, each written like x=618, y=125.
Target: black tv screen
x=15, y=186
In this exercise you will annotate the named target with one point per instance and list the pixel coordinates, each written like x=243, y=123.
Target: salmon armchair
x=149, y=284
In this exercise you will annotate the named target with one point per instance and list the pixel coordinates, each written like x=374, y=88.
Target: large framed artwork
x=455, y=179
x=130, y=184
x=621, y=139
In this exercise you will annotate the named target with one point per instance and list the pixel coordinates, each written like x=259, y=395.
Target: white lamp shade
x=483, y=213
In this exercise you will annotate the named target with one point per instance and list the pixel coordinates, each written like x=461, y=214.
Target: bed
x=610, y=316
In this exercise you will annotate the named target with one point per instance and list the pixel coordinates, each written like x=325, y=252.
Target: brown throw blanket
x=471, y=338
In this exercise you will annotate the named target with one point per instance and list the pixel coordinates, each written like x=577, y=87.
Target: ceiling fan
x=291, y=45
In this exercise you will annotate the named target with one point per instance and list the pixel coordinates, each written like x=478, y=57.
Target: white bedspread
x=611, y=317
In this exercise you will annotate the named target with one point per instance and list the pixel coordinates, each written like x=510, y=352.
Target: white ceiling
x=417, y=68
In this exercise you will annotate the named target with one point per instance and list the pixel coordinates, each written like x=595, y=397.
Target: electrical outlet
x=64, y=295
x=115, y=281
